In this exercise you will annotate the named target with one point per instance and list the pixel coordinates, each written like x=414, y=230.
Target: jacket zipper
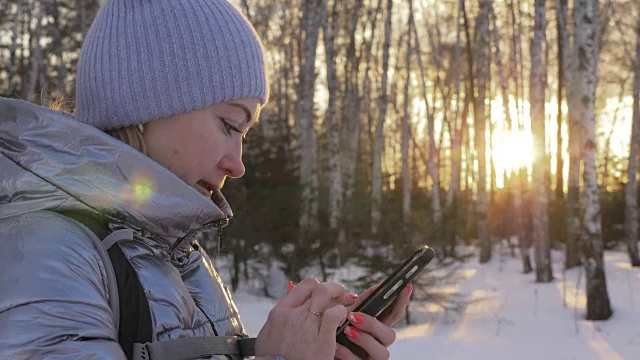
x=189, y=237
x=192, y=234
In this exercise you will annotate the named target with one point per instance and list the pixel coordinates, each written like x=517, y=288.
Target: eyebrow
x=246, y=111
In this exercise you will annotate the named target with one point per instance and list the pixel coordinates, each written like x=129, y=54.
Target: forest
x=395, y=123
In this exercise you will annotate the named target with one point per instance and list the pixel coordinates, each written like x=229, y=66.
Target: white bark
x=585, y=17
x=13, y=59
x=335, y=155
x=537, y=82
x=456, y=129
x=572, y=253
x=353, y=115
x=631, y=188
x=432, y=169
x=61, y=77
x=482, y=67
x=307, y=136
x=406, y=132
x=378, y=141
x=36, y=57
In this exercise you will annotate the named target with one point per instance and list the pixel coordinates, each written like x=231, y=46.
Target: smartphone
x=387, y=292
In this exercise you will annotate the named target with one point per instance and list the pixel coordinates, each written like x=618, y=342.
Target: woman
x=177, y=85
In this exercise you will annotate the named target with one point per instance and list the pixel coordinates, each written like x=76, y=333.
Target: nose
x=232, y=165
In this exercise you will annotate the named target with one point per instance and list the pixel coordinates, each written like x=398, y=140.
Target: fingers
x=331, y=320
x=370, y=325
x=300, y=293
x=362, y=297
x=322, y=295
x=398, y=308
x=326, y=295
x=368, y=343
x=343, y=353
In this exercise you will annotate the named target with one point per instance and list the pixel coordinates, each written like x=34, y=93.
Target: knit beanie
x=147, y=59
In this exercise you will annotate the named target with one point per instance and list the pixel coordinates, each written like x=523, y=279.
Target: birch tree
x=431, y=162
x=479, y=111
x=519, y=174
x=585, y=15
x=456, y=132
x=572, y=252
x=378, y=140
x=631, y=188
x=335, y=169
x=406, y=131
x=13, y=58
x=307, y=136
x=561, y=15
x=356, y=94
x=537, y=83
x=29, y=91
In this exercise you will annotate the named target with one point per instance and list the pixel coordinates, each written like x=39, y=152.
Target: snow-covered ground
x=508, y=316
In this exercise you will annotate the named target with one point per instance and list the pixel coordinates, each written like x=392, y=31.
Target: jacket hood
x=50, y=161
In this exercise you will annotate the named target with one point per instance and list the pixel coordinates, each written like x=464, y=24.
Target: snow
x=509, y=316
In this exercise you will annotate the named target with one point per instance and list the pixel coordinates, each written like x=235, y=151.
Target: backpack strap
x=194, y=348
x=130, y=305
x=127, y=299
x=135, y=315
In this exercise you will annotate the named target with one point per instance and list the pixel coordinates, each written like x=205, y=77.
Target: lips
x=205, y=188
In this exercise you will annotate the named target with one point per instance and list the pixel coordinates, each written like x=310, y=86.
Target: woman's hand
x=374, y=335
x=303, y=324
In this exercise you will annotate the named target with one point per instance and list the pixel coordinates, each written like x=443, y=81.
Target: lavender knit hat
x=147, y=59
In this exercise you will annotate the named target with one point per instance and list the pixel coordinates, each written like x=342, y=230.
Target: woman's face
x=204, y=146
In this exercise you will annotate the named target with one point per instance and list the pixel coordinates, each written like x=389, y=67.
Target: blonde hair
x=132, y=136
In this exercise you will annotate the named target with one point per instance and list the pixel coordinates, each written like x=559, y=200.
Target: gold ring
x=316, y=313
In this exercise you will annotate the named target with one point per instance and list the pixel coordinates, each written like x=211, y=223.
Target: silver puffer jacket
x=54, y=293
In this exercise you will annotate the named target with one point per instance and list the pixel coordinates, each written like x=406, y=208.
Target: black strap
x=135, y=330
x=195, y=348
x=135, y=315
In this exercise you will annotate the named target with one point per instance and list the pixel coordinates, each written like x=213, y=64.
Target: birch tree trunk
x=307, y=136
x=432, y=167
x=586, y=20
x=378, y=140
x=356, y=96
x=542, y=248
x=61, y=77
x=406, y=132
x=352, y=117
x=480, y=123
x=36, y=58
x=455, y=133
x=631, y=188
x=519, y=182
x=335, y=169
x=13, y=59
x=572, y=251
x=501, y=77
x=561, y=27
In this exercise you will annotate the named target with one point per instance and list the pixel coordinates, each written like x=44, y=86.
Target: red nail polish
x=351, y=332
x=352, y=296
x=410, y=289
x=289, y=286
x=355, y=318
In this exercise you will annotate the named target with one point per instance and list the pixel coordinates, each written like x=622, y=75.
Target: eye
x=229, y=129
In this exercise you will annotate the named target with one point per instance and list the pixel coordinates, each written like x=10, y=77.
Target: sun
x=512, y=145
x=512, y=150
